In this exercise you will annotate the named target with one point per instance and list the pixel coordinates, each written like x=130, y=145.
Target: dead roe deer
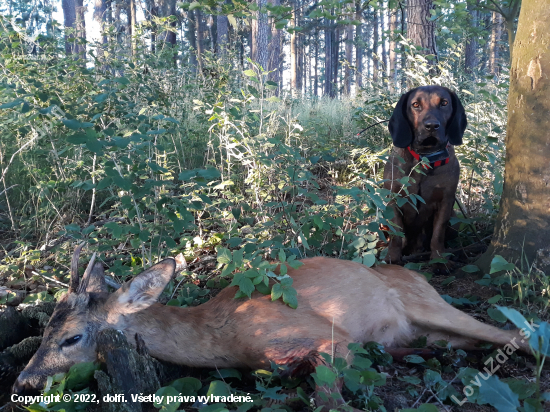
x=339, y=302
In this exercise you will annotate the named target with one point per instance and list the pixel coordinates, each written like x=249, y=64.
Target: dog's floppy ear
x=458, y=123
x=399, y=127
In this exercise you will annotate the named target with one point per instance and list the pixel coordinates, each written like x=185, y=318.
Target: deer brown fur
x=339, y=302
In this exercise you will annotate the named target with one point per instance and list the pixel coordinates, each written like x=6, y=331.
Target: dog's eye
x=444, y=102
x=71, y=341
x=416, y=105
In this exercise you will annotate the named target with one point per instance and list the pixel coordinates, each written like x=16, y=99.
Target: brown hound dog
x=426, y=122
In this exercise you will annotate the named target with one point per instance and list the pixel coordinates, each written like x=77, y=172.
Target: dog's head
x=426, y=118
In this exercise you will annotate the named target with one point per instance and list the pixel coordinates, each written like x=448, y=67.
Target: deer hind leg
x=442, y=321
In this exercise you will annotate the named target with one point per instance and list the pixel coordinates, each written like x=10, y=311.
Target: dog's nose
x=431, y=125
x=24, y=389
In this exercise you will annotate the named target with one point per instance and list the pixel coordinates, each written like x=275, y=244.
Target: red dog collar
x=432, y=156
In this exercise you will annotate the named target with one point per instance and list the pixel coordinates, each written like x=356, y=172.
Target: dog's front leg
x=395, y=247
x=441, y=218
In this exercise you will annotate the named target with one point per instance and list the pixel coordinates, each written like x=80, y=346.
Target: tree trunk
x=349, y=59
x=522, y=231
x=393, y=46
x=403, y=18
x=168, y=8
x=328, y=58
x=384, y=65
x=294, y=55
x=152, y=12
x=133, y=25
x=100, y=16
x=299, y=52
x=80, y=28
x=222, y=40
x=470, y=61
x=200, y=26
x=69, y=15
x=421, y=29
x=316, y=74
x=260, y=35
x=375, y=39
x=358, y=46
x=335, y=60
x=496, y=33
x=274, y=48
x=368, y=47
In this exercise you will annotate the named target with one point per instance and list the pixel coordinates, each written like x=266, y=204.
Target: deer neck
x=185, y=336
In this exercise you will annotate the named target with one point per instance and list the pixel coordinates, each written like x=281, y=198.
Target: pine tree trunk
x=470, y=59
x=199, y=25
x=335, y=60
x=274, y=57
x=152, y=13
x=69, y=15
x=328, y=58
x=393, y=51
x=496, y=33
x=294, y=55
x=375, y=62
x=168, y=8
x=222, y=40
x=191, y=35
x=368, y=46
x=260, y=35
x=299, y=53
x=358, y=46
x=133, y=25
x=384, y=68
x=403, y=19
x=421, y=29
x=522, y=230
x=316, y=79
x=349, y=59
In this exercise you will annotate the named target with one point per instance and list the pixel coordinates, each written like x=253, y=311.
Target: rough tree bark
x=69, y=17
x=168, y=8
x=274, y=50
x=260, y=35
x=132, y=24
x=222, y=41
x=349, y=59
x=522, y=231
x=471, y=61
x=358, y=46
x=496, y=33
x=393, y=46
x=384, y=56
x=328, y=58
x=421, y=29
x=375, y=62
x=293, y=54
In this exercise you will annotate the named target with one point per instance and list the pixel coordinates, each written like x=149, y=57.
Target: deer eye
x=444, y=102
x=71, y=341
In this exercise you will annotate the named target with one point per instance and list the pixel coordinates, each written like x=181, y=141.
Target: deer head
x=81, y=313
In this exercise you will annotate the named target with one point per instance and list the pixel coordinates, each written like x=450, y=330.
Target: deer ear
x=95, y=280
x=145, y=288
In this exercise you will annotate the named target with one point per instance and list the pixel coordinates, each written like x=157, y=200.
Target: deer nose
x=24, y=389
x=431, y=125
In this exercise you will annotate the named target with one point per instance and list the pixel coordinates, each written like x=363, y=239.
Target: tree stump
x=129, y=371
